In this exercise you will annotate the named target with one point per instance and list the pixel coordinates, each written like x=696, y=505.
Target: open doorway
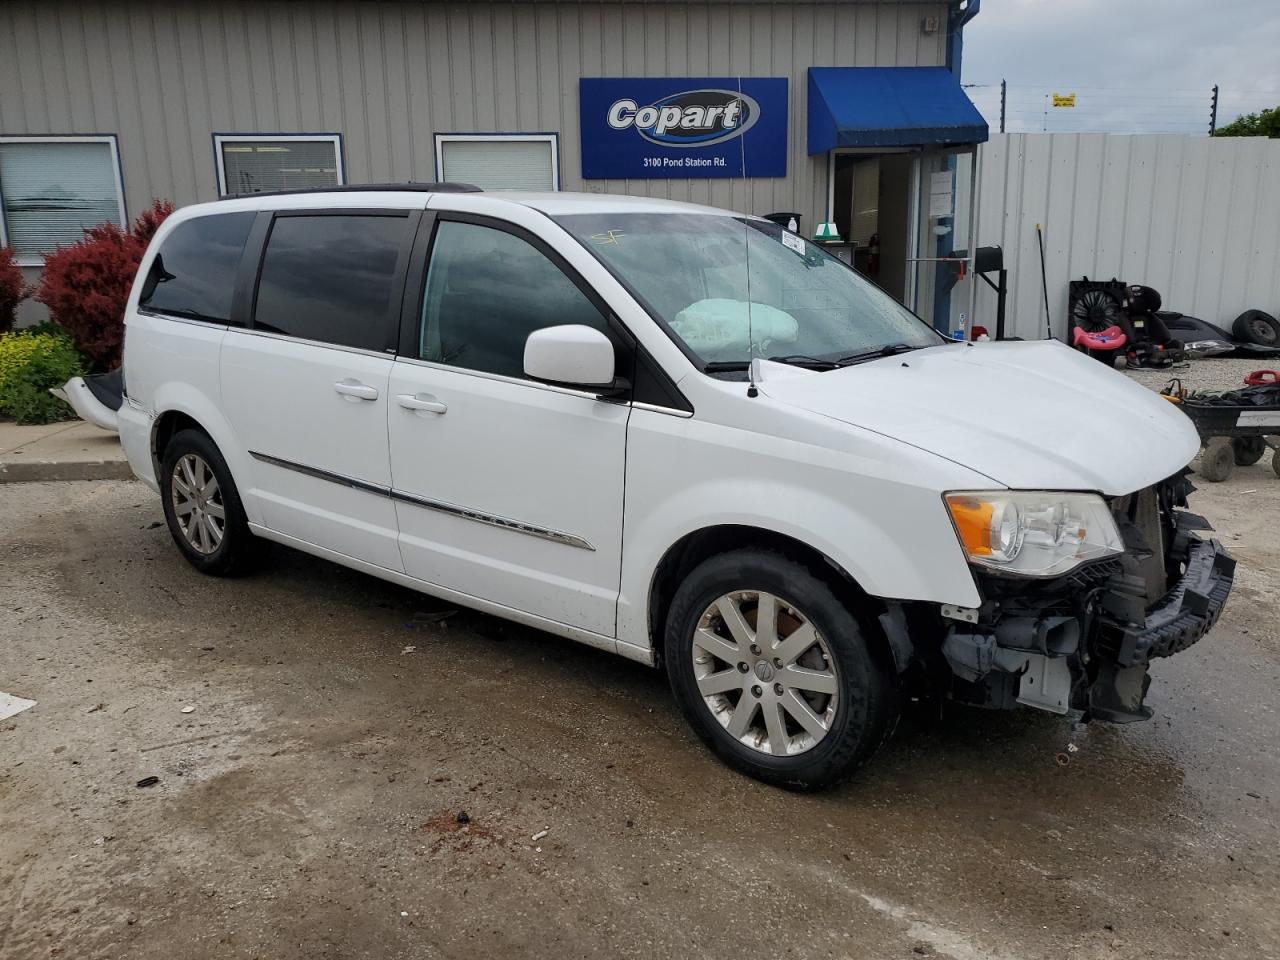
x=873, y=210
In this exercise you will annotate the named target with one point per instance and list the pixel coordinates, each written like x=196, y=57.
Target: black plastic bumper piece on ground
x=1186, y=613
x=1117, y=694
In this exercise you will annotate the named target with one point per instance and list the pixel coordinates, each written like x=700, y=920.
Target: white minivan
x=682, y=434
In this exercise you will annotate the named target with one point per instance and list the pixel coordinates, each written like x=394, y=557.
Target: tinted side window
x=487, y=290
x=194, y=274
x=331, y=278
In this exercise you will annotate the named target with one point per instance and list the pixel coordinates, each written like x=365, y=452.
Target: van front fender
x=870, y=504
x=906, y=550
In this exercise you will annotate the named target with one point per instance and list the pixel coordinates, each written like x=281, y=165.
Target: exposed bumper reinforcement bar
x=1183, y=615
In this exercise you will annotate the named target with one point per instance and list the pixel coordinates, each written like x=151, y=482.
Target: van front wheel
x=775, y=673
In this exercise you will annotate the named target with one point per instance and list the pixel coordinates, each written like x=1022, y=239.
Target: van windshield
x=703, y=275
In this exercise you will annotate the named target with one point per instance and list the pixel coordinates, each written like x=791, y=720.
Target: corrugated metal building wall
x=1196, y=218
x=164, y=76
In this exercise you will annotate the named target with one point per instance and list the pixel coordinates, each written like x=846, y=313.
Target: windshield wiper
x=888, y=350
x=799, y=360
x=795, y=359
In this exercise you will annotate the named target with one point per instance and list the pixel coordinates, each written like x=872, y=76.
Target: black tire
x=1255, y=326
x=239, y=551
x=1248, y=450
x=867, y=704
x=1217, y=460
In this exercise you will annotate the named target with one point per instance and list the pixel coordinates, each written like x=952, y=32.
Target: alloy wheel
x=765, y=673
x=197, y=503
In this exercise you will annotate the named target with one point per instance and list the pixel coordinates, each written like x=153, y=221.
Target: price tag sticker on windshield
x=792, y=242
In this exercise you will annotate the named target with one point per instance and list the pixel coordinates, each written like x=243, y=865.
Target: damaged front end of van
x=1082, y=642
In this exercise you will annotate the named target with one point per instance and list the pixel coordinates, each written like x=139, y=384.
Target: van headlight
x=1033, y=533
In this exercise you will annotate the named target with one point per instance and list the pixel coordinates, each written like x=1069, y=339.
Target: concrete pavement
x=68, y=450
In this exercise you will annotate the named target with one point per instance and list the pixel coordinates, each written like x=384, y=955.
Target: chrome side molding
x=319, y=474
x=506, y=523
x=440, y=506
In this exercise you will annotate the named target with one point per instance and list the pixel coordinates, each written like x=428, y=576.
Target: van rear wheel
x=775, y=673
x=202, y=507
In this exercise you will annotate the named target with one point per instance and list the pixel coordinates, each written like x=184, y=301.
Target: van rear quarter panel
x=172, y=365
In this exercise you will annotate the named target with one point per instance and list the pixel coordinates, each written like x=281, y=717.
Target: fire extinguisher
x=873, y=256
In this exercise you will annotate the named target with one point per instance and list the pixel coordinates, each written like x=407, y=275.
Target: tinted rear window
x=332, y=278
x=194, y=274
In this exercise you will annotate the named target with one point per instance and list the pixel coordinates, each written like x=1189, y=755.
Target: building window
x=52, y=188
x=261, y=163
x=499, y=161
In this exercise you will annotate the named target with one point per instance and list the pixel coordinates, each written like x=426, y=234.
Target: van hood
x=1029, y=415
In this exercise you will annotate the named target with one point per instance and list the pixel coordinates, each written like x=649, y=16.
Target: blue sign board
x=681, y=127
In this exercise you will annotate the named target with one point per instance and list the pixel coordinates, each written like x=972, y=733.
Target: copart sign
x=683, y=127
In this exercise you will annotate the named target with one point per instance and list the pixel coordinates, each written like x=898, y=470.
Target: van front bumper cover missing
x=1084, y=642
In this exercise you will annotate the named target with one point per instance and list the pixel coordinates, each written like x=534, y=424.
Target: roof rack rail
x=410, y=187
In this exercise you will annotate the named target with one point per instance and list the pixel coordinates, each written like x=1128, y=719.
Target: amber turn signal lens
x=973, y=522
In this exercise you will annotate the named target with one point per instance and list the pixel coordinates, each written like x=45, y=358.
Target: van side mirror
x=572, y=355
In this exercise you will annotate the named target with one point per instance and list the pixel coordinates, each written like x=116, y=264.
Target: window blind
x=499, y=164
x=49, y=192
x=266, y=165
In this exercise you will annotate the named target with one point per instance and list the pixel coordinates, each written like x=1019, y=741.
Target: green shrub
x=32, y=361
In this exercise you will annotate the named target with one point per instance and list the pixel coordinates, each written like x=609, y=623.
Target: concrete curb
x=67, y=450
x=39, y=471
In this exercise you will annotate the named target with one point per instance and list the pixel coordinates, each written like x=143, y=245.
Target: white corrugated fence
x=1196, y=218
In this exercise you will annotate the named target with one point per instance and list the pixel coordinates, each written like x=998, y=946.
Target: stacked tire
x=1257, y=326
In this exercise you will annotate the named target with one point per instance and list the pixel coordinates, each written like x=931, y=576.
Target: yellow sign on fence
x=1064, y=99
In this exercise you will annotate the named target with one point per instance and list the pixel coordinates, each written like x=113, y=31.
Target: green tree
x=1264, y=124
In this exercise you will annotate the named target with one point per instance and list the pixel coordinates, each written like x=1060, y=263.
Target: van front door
x=506, y=489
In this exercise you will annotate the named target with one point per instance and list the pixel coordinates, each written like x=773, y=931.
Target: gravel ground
x=1213, y=373
x=308, y=806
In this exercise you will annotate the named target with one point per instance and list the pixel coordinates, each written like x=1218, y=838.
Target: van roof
x=407, y=187
x=551, y=203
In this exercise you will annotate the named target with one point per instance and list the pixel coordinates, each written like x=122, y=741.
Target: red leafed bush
x=86, y=285
x=11, y=289
x=148, y=222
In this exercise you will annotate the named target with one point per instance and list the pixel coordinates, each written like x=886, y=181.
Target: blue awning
x=889, y=107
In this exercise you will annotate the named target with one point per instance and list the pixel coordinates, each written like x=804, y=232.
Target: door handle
x=423, y=402
x=356, y=390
